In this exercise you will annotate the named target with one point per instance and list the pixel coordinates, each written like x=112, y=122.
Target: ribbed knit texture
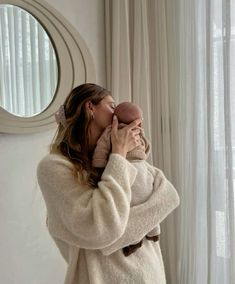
x=103, y=148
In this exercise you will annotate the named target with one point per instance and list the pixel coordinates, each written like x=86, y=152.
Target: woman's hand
x=125, y=139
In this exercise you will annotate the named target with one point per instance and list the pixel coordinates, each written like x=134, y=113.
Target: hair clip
x=60, y=116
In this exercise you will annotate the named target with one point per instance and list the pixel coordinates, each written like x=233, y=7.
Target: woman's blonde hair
x=72, y=139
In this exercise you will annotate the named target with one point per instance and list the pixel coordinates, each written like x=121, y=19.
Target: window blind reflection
x=28, y=65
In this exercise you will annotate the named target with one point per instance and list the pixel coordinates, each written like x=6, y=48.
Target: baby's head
x=126, y=112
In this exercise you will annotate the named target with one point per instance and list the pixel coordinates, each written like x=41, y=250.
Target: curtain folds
x=177, y=60
x=206, y=143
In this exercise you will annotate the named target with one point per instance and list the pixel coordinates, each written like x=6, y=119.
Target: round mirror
x=28, y=63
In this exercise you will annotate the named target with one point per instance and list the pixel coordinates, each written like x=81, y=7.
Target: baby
x=126, y=112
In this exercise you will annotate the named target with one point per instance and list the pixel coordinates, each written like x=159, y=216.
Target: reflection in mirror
x=28, y=65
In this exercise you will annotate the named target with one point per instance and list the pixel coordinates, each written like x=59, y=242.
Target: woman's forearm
x=144, y=217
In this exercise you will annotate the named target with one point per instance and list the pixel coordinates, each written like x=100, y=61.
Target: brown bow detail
x=128, y=250
x=131, y=248
x=153, y=238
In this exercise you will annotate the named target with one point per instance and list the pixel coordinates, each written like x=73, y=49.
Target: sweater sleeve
x=82, y=216
x=144, y=217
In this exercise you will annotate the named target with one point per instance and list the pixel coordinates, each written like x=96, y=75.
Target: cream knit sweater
x=91, y=226
x=143, y=185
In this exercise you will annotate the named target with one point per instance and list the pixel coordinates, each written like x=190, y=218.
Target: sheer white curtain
x=203, y=106
x=28, y=67
x=177, y=59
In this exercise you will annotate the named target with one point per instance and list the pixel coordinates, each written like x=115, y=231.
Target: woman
x=91, y=221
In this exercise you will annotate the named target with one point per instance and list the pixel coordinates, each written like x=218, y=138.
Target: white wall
x=28, y=255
